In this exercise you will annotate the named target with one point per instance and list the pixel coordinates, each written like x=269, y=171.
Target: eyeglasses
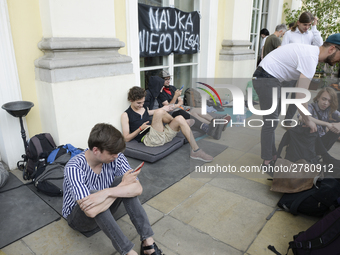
x=338, y=47
x=167, y=79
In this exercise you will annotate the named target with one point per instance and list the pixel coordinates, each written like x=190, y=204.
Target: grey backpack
x=49, y=178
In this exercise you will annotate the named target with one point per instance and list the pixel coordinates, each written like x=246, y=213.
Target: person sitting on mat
x=136, y=125
x=171, y=95
x=153, y=102
x=96, y=182
x=326, y=116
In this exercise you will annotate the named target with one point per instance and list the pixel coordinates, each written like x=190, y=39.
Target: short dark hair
x=264, y=31
x=106, y=137
x=291, y=24
x=136, y=93
x=328, y=44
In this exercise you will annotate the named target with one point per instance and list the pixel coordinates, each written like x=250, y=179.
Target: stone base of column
x=68, y=59
x=233, y=50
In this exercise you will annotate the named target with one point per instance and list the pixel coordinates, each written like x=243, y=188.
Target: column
x=81, y=79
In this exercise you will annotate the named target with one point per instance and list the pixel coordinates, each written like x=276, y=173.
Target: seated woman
x=326, y=116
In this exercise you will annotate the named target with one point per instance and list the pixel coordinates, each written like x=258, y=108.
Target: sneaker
x=264, y=167
x=150, y=247
x=201, y=155
x=227, y=118
x=216, y=131
x=190, y=122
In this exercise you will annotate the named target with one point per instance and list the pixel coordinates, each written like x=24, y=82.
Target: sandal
x=150, y=247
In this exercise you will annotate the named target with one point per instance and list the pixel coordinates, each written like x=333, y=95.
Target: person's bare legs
x=160, y=116
x=179, y=123
x=205, y=118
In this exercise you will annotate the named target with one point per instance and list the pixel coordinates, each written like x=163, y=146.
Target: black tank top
x=136, y=120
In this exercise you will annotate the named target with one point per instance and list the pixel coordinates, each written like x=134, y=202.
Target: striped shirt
x=79, y=179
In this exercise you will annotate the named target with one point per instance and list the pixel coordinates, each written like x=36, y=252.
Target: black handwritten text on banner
x=163, y=30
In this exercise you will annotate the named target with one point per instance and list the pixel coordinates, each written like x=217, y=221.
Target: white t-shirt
x=287, y=62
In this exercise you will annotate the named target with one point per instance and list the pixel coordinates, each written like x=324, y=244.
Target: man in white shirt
x=289, y=62
x=300, y=33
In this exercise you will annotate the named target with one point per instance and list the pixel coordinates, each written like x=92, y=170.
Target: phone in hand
x=138, y=167
x=181, y=87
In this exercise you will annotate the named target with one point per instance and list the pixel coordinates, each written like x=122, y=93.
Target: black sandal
x=150, y=247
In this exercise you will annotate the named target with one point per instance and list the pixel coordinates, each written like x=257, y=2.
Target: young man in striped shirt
x=96, y=181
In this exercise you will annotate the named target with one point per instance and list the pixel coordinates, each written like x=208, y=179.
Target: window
x=182, y=67
x=258, y=21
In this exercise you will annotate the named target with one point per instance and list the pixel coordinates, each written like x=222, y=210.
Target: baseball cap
x=165, y=73
x=335, y=39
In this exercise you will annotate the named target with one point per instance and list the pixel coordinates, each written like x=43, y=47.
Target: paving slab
x=228, y=217
x=18, y=247
x=59, y=238
x=175, y=195
x=164, y=249
x=238, y=140
x=185, y=239
x=248, y=188
x=279, y=231
x=153, y=215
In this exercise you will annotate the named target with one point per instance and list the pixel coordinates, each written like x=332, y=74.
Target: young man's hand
x=311, y=125
x=129, y=177
x=178, y=93
x=92, y=200
x=334, y=127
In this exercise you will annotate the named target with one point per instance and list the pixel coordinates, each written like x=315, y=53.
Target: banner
x=163, y=30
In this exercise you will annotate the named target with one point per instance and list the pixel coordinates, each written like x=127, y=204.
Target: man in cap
x=289, y=62
x=171, y=95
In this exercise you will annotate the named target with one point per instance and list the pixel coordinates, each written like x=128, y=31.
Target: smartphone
x=181, y=87
x=138, y=167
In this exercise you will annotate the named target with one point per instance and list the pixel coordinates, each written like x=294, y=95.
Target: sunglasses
x=167, y=79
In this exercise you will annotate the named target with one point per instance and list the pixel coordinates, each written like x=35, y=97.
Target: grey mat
x=154, y=177
x=21, y=212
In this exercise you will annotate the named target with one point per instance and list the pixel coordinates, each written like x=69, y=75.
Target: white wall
x=11, y=144
x=72, y=108
x=77, y=18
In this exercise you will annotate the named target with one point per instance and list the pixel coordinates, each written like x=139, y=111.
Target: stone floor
x=201, y=214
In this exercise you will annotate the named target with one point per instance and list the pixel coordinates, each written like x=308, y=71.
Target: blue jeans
x=105, y=221
x=263, y=85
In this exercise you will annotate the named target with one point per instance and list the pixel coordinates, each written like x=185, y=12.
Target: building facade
x=77, y=59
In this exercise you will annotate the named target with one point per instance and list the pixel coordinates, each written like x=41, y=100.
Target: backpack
x=317, y=201
x=61, y=150
x=192, y=98
x=320, y=239
x=37, y=151
x=49, y=178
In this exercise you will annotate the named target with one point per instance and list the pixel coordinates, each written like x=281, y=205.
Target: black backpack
x=192, y=98
x=37, y=151
x=320, y=239
x=317, y=201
